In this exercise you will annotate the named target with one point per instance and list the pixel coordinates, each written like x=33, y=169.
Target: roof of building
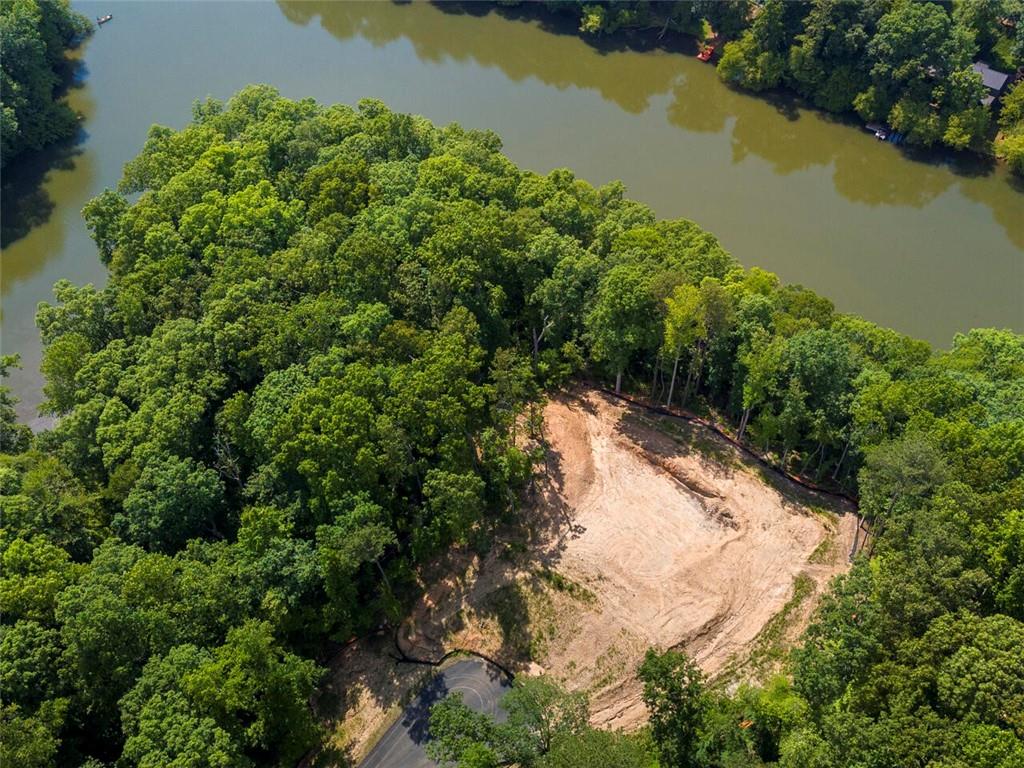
x=993, y=79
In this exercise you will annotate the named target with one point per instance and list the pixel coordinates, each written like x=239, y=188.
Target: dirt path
x=644, y=532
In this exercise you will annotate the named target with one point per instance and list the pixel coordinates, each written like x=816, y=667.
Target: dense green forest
x=34, y=37
x=1010, y=142
x=902, y=62
x=302, y=383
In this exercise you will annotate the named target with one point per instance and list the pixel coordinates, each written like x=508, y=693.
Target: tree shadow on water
x=963, y=164
x=25, y=202
x=638, y=40
x=786, y=103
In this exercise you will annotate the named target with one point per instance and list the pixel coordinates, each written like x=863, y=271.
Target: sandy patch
x=644, y=532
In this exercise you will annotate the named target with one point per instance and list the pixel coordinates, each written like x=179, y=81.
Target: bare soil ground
x=643, y=531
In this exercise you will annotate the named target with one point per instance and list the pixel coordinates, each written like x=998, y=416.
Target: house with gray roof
x=993, y=80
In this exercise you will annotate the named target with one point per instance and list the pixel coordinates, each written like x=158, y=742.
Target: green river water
x=930, y=247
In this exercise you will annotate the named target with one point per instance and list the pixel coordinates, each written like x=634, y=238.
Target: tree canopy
x=902, y=62
x=303, y=381
x=34, y=37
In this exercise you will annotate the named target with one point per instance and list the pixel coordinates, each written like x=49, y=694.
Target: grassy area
x=567, y=586
x=770, y=647
x=529, y=614
x=609, y=667
x=526, y=619
x=825, y=552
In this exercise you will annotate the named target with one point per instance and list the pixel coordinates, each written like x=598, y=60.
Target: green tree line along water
x=302, y=383
x=909, y=64
x=909, y=243
x=35, y=39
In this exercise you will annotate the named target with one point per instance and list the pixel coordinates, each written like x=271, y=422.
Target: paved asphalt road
x=482, y=686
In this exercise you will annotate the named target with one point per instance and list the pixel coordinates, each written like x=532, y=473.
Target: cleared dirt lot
x=683, y=542
x=643, y=531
